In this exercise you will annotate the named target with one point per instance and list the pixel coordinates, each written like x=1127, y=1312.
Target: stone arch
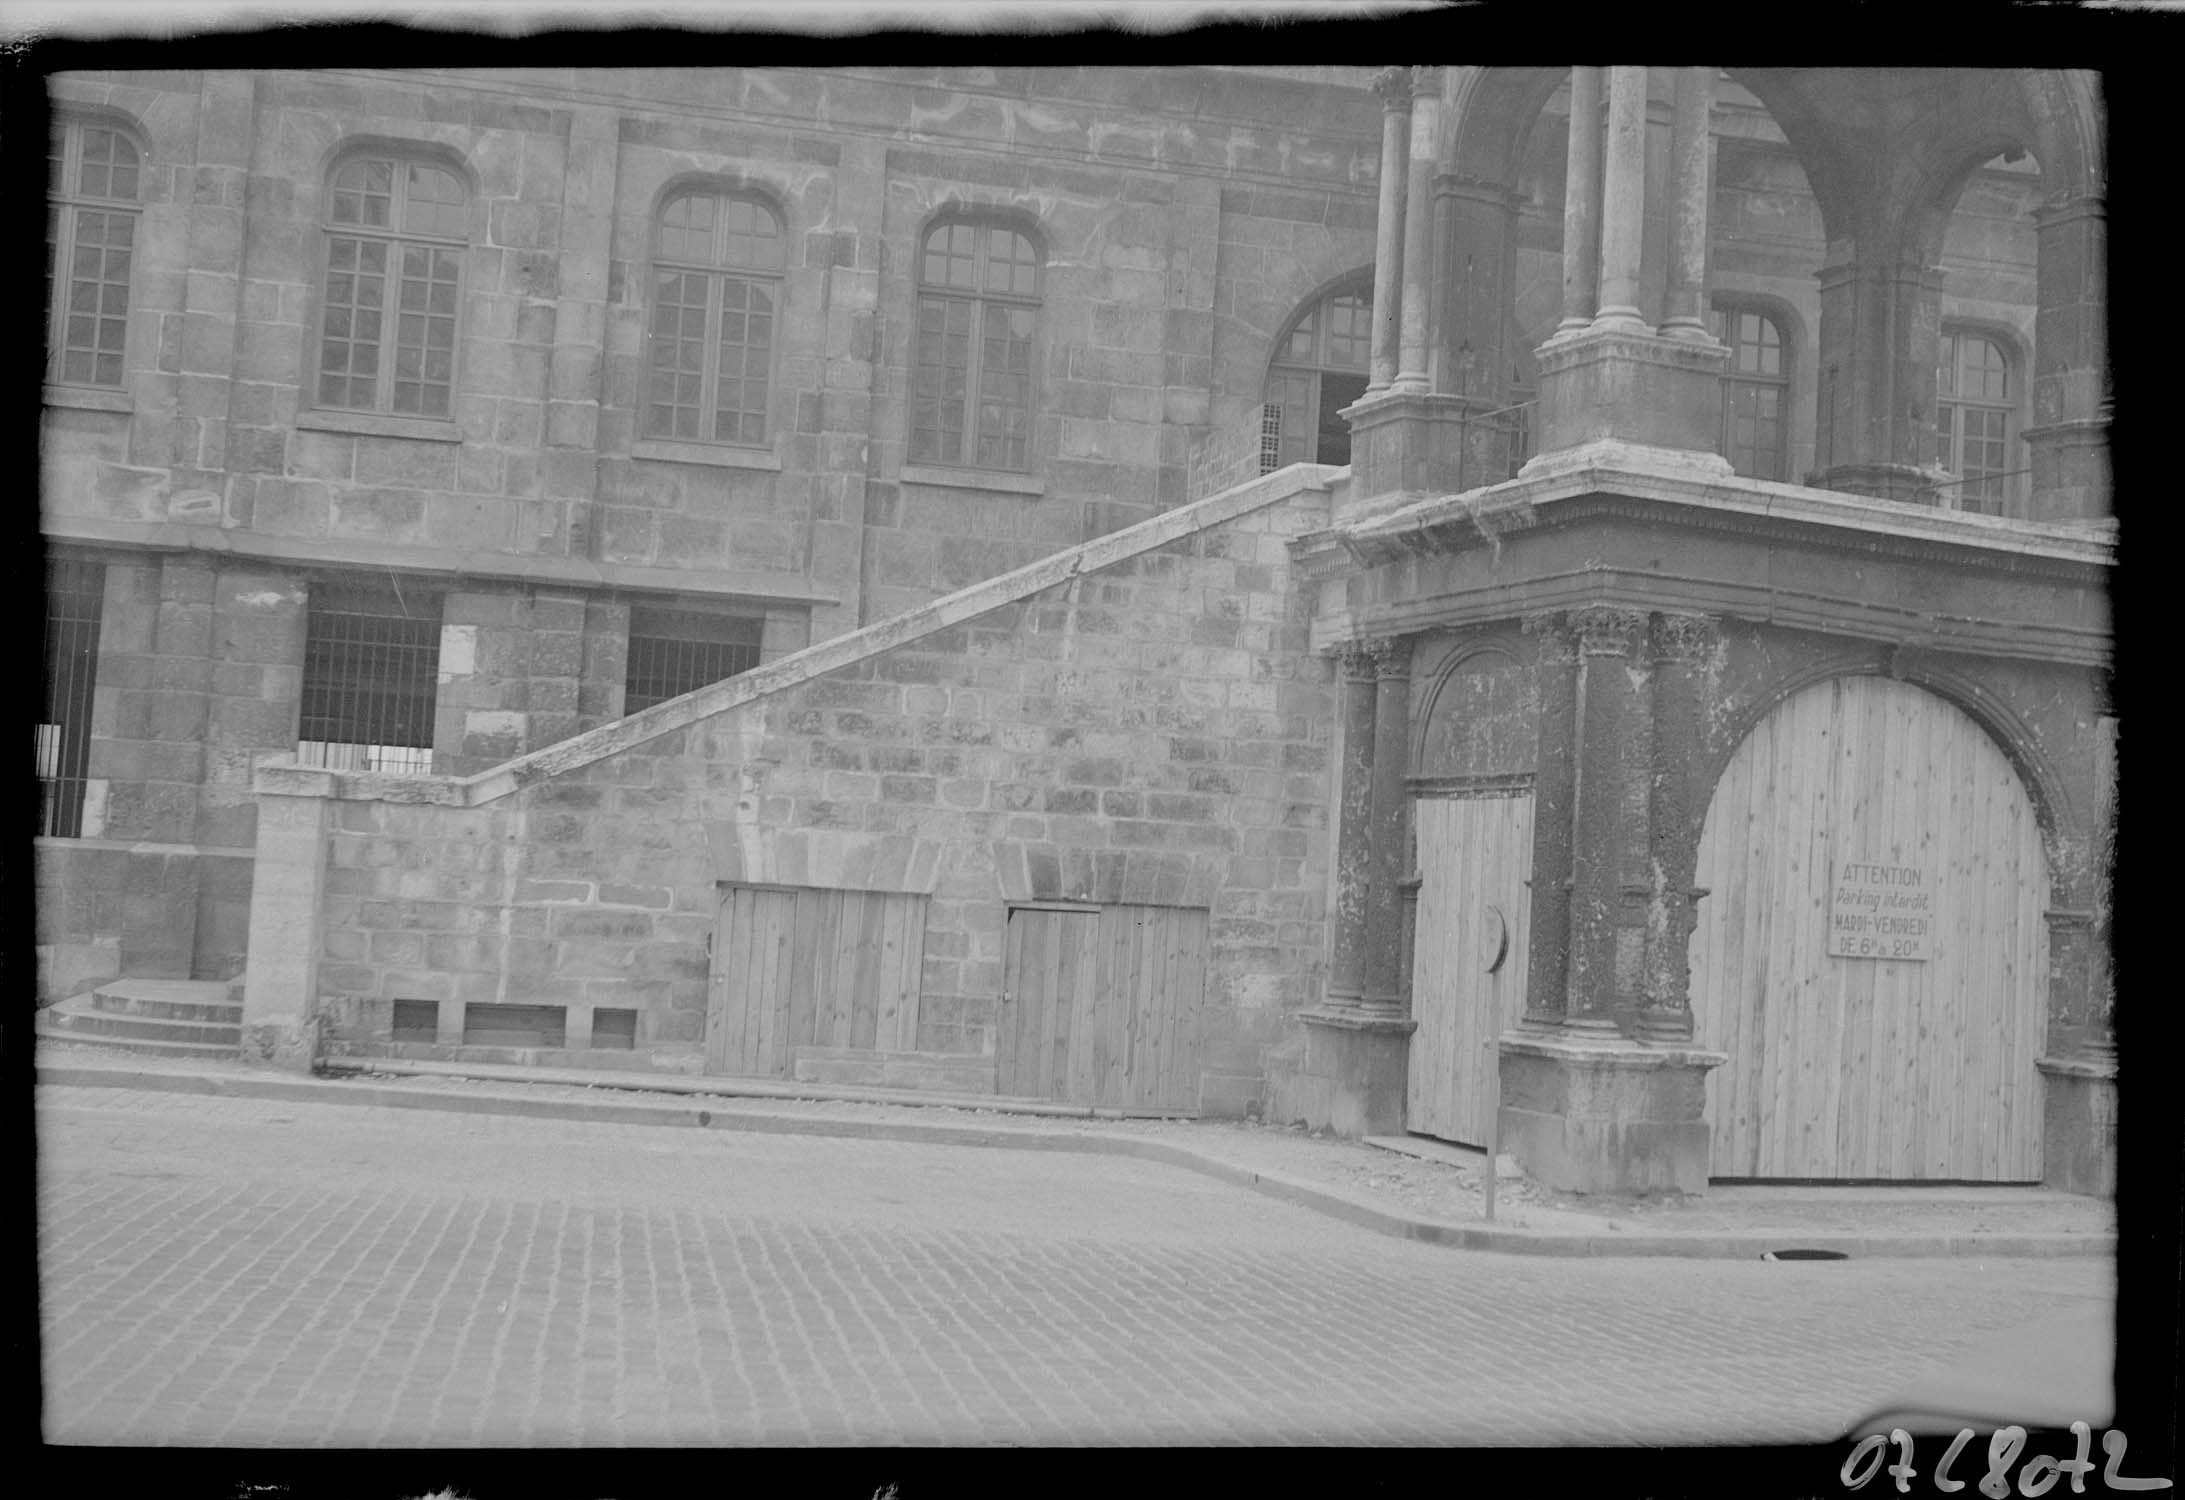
x=2036, y=774
x=1435, y=701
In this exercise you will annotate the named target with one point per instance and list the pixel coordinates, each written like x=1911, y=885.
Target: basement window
x=678, y=651
x=371, y=670
x=417, y=1021
x=515, y=1025
x=614, y=1030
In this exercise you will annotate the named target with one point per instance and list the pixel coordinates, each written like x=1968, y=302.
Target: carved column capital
x=1354, y=661
x=1394, y=87
x=1391, y=657
x=1603, y=630
x=1686, y=638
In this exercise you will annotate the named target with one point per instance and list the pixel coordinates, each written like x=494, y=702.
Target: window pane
x=739, y=413
x=678, y=346
x=939, y=380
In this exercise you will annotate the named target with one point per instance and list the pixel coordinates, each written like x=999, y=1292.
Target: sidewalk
x=1415, y=1188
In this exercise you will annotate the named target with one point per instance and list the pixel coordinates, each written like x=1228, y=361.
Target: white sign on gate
x=1881, y=911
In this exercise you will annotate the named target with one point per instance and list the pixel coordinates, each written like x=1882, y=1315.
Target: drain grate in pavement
x=1806, y=1255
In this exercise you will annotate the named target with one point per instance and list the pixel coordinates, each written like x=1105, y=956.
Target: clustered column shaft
x=1354, y=833
x=1418, y=258
x=1582, y=202
x=1690, y=152
x=1394, y=87
x=1623, y=199
x=1391, y=754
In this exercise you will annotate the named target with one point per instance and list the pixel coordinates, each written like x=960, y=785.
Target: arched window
x=1318, y=369
x=1973, y=410
x=91, y=234
x=978, y=309
x=1755, y=390
x=716, y=295
x=396, y=229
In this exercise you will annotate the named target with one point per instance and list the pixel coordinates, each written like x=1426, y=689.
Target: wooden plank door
x=1468, y=957
x=798, y=967
x=1872, y=1067
x=1102, y=1006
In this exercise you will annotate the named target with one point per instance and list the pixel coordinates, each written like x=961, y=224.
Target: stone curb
x=1721, y=1245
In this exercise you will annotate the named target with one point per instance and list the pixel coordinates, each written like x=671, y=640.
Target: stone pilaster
x=1390, y=825
x=1555, y=669
x=1683, y=645
x=1353, y=839
x=1582, y=202
x=2069, y=436
x=1691, y=153
x=287, y=900
x=1418, y=289
x=1623, y=202
x=1394, y=87
x=1604, y=951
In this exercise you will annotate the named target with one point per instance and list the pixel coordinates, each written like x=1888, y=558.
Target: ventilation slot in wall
x=615, y=1030
x=417, y=1021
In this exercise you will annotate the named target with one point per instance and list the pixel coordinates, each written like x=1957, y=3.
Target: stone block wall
x=1153, y=732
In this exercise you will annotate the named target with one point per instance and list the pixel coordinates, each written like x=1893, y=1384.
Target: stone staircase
x=199, y=1018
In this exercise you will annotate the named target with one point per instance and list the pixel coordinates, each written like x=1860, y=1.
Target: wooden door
x=795, y=966
x=1101, y=1006
x=1872, y=953
x=1468, y=956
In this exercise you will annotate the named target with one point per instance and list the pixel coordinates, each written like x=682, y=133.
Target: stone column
x=1623, y=201
x=1881, y=327
x=1582, y=202
x=1600, y=965
x=1354, y=833
x=1411, y=373
x=1391, y=815
x=2069, y=438
x=1691, y=154
x=1394, y=87
x=1555, y=669
x=1682, y=648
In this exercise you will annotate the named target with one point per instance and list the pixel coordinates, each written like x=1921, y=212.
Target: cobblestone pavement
x=245, y=1271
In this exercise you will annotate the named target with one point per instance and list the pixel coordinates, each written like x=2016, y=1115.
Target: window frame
x=397, y=236
x=1274, y=440
x=1954, y=494
x=75, y=603
x=717, y=275
x=363, y=751
x=65, y=206
x=1726, y=307
x=980, y=298
x=681, y=625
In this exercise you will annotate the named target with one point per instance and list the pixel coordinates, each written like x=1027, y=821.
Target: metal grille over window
x=1973, y=421
x=370, y=674
x=673, y=652
x=394, y=247
x=716, y=289
x=90, y=250
x=978, y=309
x=74, y=591
x=1318, y=370
x=1754, y=391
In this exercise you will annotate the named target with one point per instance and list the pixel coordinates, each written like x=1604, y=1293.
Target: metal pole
x=1494, y=1126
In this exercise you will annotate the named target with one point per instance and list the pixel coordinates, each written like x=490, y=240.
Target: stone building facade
x=529, y=546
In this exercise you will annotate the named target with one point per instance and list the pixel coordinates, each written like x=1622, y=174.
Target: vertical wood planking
x=1866, y=1067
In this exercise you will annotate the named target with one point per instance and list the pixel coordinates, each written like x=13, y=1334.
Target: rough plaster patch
x=262, y=598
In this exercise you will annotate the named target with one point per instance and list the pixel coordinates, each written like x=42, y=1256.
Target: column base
x=1351, y=1078
x=2079, y=1125
x=289, y=1045
x=1630, y=385
x=1587, y=1116
x=1408, y=442
x=1905, y=482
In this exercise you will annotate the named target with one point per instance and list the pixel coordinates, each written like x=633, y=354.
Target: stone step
x=86, y=1022
x=203, y=1051
x=161, y=997
x=936, y=1072
x=220, y=1012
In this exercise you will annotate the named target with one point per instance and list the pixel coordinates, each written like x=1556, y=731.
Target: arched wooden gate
x=1872, y=952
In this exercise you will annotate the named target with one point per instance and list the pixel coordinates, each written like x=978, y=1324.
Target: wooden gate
x=1101, y=1005
x=1468, y=956
x=797, y=967
x=1872, y=953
